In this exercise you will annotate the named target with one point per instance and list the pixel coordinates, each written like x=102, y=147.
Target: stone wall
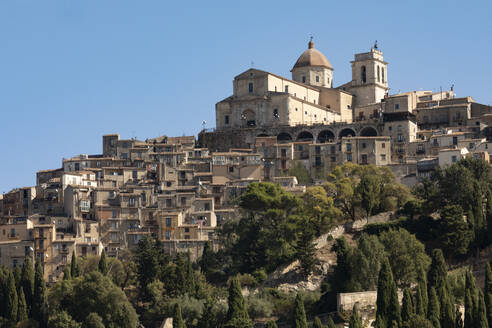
x=363, y=300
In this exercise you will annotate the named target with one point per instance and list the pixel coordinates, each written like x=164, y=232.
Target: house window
x=287, y=89
x=168, y=202
x=131, y=201
x=332, y=149
x=363, y=74
x=317, y=78
x=168, y=235
x=231, y=169
x=363, y=145
x=168, y=222
x=349, y=147
x=275, y=113
x=226, y=119
x=383, y=157
x=397, y=106
x=114, y=214
x=250, y=87
x=183, y=201
x=349, y=157
x=364, y=159
x=134, y=174
x=303, y=79
x=383, y=145
x=400, y=138
x=453, y=158
x=207, y=206
x=187, y=229
x=333, y=158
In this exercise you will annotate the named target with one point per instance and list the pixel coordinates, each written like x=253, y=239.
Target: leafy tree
x=103, y=265
x=406, y=255
x=320, y=209
x=93, y=320
x=74, y=267
x=369, y=190
x=237, y=315
x=407, y=309
x=94, y=293
x=22, y=306
x=418, y=321
x=455, y=234
x=355, y=319
x=366, y=261
x=27, y=282
x=62, y=320
x=301, y=173
x=299, y=318
x=177, y=318
x=39, y=310
x=434, y=312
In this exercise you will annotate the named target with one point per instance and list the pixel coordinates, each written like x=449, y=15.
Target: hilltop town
x=180, y=189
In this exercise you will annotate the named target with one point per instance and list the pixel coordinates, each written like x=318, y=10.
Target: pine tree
x=21, y=307
x=39, y=304
x=177, y=318
x=27, y=282
x=388, y=307
x=482, y=314
x=66, y=273
x=299, y=319
x=407, y=309
x=434, y=312
x=488, y=288
x=10, y=298
x=306, y=252
x=237, y=315
x=271, y=324
x=74, y=266
x=317, y=323
x=103, y=265
x=331, y=324
x=355, y=319
x=458, y=319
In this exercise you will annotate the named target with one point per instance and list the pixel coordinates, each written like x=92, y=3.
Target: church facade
x=261, y=99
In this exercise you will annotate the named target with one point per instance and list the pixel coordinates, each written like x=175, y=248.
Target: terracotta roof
x=312, y=57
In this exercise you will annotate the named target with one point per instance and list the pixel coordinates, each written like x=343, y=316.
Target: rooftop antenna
x=375, y=45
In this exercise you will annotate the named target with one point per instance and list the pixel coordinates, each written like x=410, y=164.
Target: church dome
x=312, y=57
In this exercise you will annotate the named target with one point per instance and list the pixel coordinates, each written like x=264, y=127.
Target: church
x=261, y=99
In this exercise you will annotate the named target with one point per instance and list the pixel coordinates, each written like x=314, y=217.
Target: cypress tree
x=177, y=318
x=27, y=282
x=237, y=315
x=458, y=319
x=422, y=285
x=488, y=289
x=331, y=324
x=433, y=314
x=354, y=319
x=482, y=314
x=10, y=298
x=39, y=304
x=388, y=307
x=21, y=307
x=317, y=323
x=469, y=311
x=299, y=319
x=447, y=309
x=419, y=302
x=103, y=265
x=17, y=277
x=66, y=273
x=407, y=309
x=271, y=324
x=437, y=271
x=208, y=319
x=206, y=262
x=74, y=266
x=488, y=215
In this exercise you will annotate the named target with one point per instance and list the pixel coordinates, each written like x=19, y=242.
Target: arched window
x=382, y=74
x=328, y=80
x=363, y=74
x=378, y=74
x=275, y=113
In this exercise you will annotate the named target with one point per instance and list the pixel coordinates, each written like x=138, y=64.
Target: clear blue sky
x=71, y=71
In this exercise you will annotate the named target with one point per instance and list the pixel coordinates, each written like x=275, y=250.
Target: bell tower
x=369, y=77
